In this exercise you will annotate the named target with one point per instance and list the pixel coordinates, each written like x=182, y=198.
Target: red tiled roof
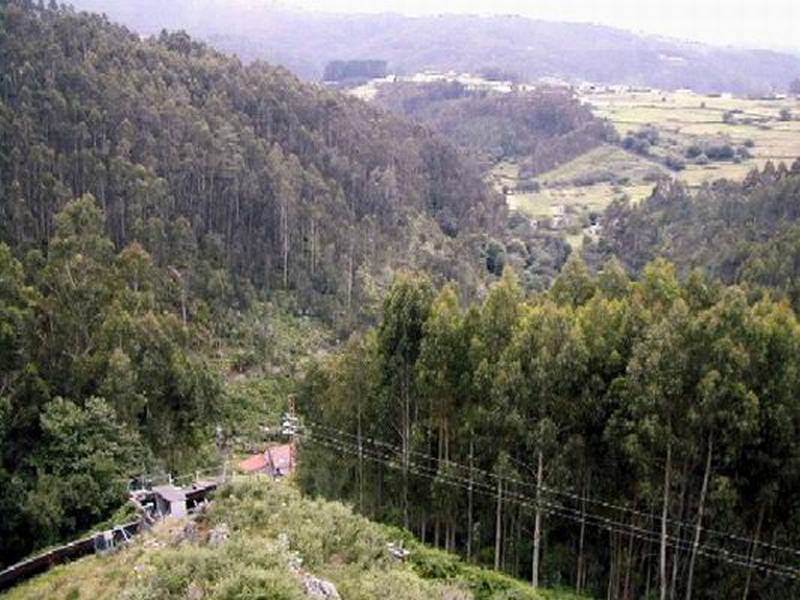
x=257, y=462
x=275, y=457
x=280, y=457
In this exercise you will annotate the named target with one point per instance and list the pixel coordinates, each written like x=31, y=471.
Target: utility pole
x=498, y=528
x=219, y=440
x=469, y=509
x=289, y=428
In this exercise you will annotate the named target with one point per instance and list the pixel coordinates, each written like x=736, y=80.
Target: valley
x=510, y=335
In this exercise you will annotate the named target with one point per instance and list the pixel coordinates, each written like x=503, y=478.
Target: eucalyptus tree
x=441, y=370
x=541, y=372
x=659, y=385
x=405, y=311
x=609, y=332
x=724, y=413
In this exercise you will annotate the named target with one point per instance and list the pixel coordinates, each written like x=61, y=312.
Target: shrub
x=529, y=186
x=495, y=258
x=595, y=177
x=720, y=152
x=675, y=162
x=639, y=143
x=694, y=151
x=653, y=175
x=714, y=149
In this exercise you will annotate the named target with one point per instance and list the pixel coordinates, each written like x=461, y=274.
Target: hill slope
x=285, y=185
x=529, y=47
x=542, y=128
x=737, y=232
x=272, y=531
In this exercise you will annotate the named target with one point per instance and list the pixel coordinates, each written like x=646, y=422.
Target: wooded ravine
x=188, y=241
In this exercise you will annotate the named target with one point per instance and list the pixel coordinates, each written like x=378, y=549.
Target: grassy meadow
x=590, y=182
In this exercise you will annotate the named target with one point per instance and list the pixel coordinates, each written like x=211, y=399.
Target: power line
x=751, y=542
x=590, y=518
x=336, y=442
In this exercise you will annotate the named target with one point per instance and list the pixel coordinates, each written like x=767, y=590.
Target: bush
x=721, y=152
x=649, y=133
x=714, y=149
x=639, y=145
x=594, y=177
x=694, y=151
x=529, y=186
x=495, y=258
x=675, y=162
x=653, y=175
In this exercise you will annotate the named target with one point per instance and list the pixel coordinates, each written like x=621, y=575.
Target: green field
x=684, y=117
x=564, y=206
x=590, y=182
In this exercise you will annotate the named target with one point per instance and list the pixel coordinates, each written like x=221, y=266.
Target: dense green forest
x=288, y=185
x=542, y=128
x=98, y=377
x=744, y=232
x=611, y=435
x=164, y=213
x=172, y=220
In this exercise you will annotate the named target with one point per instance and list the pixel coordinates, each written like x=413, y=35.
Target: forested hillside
x=460, y=42
x=630, y=439
x=744, y=232
x=284, y=185
x=541, y=129
x=186, y=241
x=152, y=192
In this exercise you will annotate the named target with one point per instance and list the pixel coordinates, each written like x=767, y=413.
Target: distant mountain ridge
x=305, y=42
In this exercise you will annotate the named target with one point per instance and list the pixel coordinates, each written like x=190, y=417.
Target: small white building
x=170, y=501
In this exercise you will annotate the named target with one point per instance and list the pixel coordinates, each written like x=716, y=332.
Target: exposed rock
x=195, y=592
x=190, y=532
x=319, y=588
x=219, y=535
x=182, y=532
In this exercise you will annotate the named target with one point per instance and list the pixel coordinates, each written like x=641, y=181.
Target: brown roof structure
x=254, y=464
x=275, y=460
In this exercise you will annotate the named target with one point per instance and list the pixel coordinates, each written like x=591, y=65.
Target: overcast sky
x=757, y=23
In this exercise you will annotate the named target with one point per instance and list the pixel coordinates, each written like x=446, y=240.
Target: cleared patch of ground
x=568, y=196
x=685, y=117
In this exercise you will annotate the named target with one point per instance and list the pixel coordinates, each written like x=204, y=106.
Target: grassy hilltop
x=276, y=538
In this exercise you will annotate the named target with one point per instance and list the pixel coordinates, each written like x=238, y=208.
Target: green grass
x=612, y=158
x=271, y=525
x=682, y=118
x=686, y=116
x=560, y=197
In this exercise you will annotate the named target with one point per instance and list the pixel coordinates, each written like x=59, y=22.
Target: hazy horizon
x=773, y=24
